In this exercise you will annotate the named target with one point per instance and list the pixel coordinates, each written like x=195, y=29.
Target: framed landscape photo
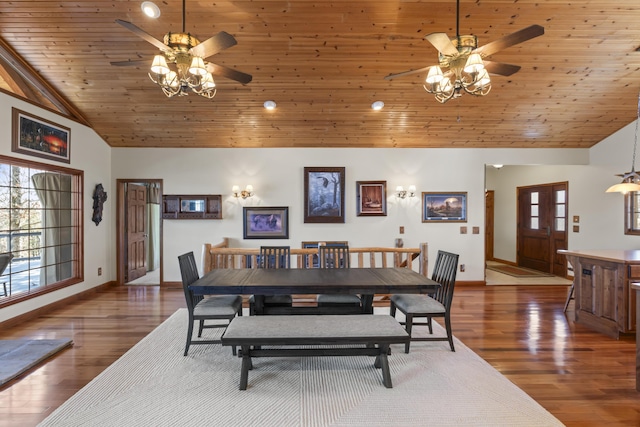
x=444, y=207
x=39, y=137
x=371, y=198
x=324, y=195
x=265, y=223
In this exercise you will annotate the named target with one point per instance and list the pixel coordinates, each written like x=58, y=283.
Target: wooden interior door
x=135, y=209
x=542, y=227
x=489, y=215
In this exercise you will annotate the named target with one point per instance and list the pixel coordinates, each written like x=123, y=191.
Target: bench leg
x=246, y=366
x=382, y=361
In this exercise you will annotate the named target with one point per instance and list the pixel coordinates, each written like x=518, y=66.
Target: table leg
x=246, y=365
x=367, y=303
x=382, y=361
x=258, y=304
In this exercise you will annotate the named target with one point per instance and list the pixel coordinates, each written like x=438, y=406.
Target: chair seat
x=281, y=300
x=219, y=305
x=338, y=299
x=417, y=304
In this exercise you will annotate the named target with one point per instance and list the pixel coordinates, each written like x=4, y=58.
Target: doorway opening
x=542, y=227
x=139, y=235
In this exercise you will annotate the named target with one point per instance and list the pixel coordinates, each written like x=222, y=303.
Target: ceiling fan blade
x=213, y=45
x=406, y=73
x=500, y=68
x=442, y=42
x=142, y=34
x=510, y=40
x=219, y=70
x=130, y=63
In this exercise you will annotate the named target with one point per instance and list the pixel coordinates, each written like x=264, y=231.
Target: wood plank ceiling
x=324, y=64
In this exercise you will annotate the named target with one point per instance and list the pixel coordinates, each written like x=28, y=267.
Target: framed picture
x=265, y=223
x=371, y=198
x=39, y=137
x=323, y=195
x=444, y=207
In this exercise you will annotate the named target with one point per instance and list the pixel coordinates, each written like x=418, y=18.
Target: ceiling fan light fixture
x=197, y=67
x=435, y=75
x=172, y=80
x=159, y=65
x=474, y=64
x=207, y=82
x=483, y=79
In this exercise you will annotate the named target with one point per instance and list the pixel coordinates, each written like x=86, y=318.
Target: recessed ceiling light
x=377, y=105
x=150, y=9
x=270, y=105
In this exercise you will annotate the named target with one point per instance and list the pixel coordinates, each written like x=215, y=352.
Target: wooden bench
x=364, y=335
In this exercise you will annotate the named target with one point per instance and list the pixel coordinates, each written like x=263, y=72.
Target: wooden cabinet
x=192, y=207
x=604, y=300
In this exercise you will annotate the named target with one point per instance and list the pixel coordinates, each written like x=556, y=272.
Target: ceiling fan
x=187, y=56
x=468, y=70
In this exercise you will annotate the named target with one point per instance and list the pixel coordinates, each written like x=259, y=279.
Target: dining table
x=259, y=282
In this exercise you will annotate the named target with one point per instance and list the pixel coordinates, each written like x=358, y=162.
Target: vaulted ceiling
x=324, y=64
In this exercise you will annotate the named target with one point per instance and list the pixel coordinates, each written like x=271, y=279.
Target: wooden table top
x=313, y=281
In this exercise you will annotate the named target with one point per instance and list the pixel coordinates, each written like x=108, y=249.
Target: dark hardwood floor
x=582, y=377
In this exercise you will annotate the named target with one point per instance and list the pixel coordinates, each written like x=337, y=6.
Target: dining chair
x=336, y=257
x=273, y=257
x=429, y=306
x=217, y=307
x=5, y=260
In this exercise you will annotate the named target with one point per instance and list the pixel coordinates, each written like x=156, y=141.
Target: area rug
x=153, y=384
x=514, y=271
x=18, y=356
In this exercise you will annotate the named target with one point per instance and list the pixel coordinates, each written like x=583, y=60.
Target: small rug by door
x=18, y=356
x=514, y=271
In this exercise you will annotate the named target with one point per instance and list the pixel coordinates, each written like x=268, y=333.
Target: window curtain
x=54, y=192
x=153, y=227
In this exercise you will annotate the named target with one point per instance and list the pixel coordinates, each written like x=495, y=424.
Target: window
x=632, y=213
x=560, y=216
x=41, y=226
x=535, y=211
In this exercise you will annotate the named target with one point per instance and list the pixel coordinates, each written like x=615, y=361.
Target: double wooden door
x=542, y=227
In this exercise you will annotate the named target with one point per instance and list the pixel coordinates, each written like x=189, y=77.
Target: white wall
x=601, y=214
x=92, y=155
x=277, y=176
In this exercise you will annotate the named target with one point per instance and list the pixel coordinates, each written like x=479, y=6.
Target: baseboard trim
x=53, y=306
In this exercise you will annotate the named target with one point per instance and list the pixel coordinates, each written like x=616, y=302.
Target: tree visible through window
x=41, y=226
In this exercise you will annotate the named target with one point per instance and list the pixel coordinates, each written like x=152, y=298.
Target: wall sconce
x=402, y=193
x=247, y=192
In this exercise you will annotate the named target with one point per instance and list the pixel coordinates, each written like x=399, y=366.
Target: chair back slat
x=334, y=256
x=5, y=260
x=444, y=272
x=275, y=257
x=189, y=272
